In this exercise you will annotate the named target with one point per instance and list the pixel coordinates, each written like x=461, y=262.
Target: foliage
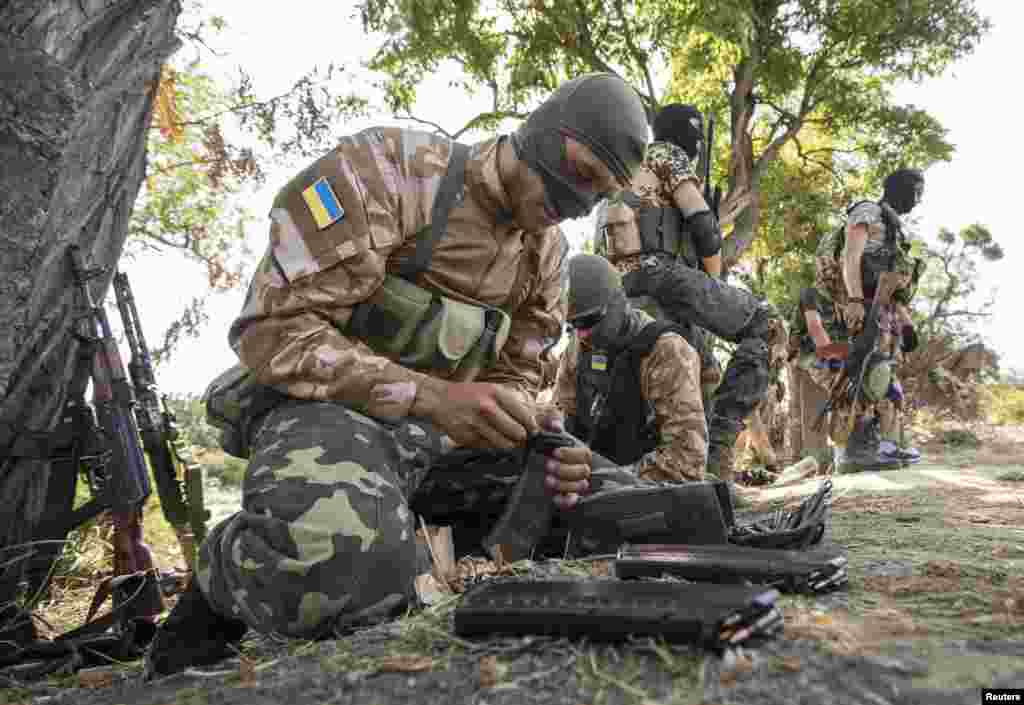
x=780, y=71
x=1005, y=404
x=191, y=200
x=190, y=413
x=951, y=282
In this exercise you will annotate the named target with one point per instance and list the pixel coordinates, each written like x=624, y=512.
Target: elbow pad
x=707, y=235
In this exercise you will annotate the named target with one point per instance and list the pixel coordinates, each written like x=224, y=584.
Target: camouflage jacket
x=319, y=265
x=665, y=167
x=670, y=382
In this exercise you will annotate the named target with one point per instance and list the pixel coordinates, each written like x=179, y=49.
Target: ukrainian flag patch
x=322, y=203
x=599, y=362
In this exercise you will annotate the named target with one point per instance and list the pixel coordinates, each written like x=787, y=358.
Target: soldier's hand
x=568, y=468
x=853, y=314
x=481, y=415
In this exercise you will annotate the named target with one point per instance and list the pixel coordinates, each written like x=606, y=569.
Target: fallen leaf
x=942, y=569
x=823, y=619
x=488, y=671
x=429, y=591
x=405, y=664
x=246, y=672
x=1001, y=550
x=96, y=677
x=791, y=663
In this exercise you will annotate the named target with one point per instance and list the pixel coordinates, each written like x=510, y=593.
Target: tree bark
x=76, y=92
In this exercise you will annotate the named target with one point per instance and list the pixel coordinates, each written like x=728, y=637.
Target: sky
x=973, y=100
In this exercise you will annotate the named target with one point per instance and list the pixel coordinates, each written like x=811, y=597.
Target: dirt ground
x=934, y=611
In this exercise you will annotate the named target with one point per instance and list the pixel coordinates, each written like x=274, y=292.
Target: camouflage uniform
x=324, y=528
x=669, y=377
x=687, y=295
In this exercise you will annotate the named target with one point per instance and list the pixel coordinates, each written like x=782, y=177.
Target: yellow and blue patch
x=598, y=362
x=322, y=203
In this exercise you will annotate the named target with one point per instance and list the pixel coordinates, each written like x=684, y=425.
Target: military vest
x=611, y=412
x=892, y=254
x=658, y=230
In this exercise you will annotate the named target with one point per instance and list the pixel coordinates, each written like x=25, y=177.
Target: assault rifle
x=181, y=501
x=120, y=481
x=712, y=197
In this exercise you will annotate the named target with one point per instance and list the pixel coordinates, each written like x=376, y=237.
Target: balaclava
x=902, y=189
x=599, y=110
x=594, y=284
x=683, y=126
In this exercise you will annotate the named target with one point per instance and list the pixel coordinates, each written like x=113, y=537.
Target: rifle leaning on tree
x=181, y=501
x=102, y=440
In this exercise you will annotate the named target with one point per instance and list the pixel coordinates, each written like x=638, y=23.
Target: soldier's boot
x=863, y=449
x=192, y=635
x=891, y=450
x=722, y=434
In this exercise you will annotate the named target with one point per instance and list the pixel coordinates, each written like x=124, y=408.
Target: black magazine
x=713, y=616
x=813, y=571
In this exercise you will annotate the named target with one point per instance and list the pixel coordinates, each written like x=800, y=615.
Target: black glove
x=909, y=340
x=636, y=284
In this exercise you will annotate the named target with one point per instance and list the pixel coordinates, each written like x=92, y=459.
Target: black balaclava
x=683, y=126
x=599, y=110
x=902, y=189
x=618, y=326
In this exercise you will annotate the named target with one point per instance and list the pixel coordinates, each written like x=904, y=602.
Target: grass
x=961, y=584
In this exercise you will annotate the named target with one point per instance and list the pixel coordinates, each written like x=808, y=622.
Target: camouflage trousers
x=325, y=529
x=688, y=295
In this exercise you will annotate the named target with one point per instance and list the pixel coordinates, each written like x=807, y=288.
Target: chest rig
x=612, y=414
x=658, y=231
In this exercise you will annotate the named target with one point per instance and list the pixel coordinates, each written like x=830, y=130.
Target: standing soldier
x=666, y=241
x=629, y=385
x=849, y=264
x=408, y=290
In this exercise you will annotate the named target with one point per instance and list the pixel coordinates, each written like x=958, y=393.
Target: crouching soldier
x=408, y=290
x=629, y=385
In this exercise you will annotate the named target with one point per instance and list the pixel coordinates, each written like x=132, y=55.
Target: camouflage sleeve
x=565, y=383
x=670, y=381
x=291, y=328
x=670, y=164
x=536, y=322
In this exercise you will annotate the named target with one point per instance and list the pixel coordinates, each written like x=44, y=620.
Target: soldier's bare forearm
x=853, y=253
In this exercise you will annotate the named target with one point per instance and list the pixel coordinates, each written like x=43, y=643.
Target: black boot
x=862, y=452
x=192, y=635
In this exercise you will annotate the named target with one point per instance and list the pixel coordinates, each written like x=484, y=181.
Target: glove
x=909, y=340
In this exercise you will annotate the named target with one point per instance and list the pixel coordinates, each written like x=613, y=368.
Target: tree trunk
x=76, y=92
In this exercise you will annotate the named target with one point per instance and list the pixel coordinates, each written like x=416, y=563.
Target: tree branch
x=427, y=122
x=637, y=55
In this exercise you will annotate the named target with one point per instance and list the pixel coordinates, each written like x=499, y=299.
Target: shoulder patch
x=323, y=203
x=598, y=362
